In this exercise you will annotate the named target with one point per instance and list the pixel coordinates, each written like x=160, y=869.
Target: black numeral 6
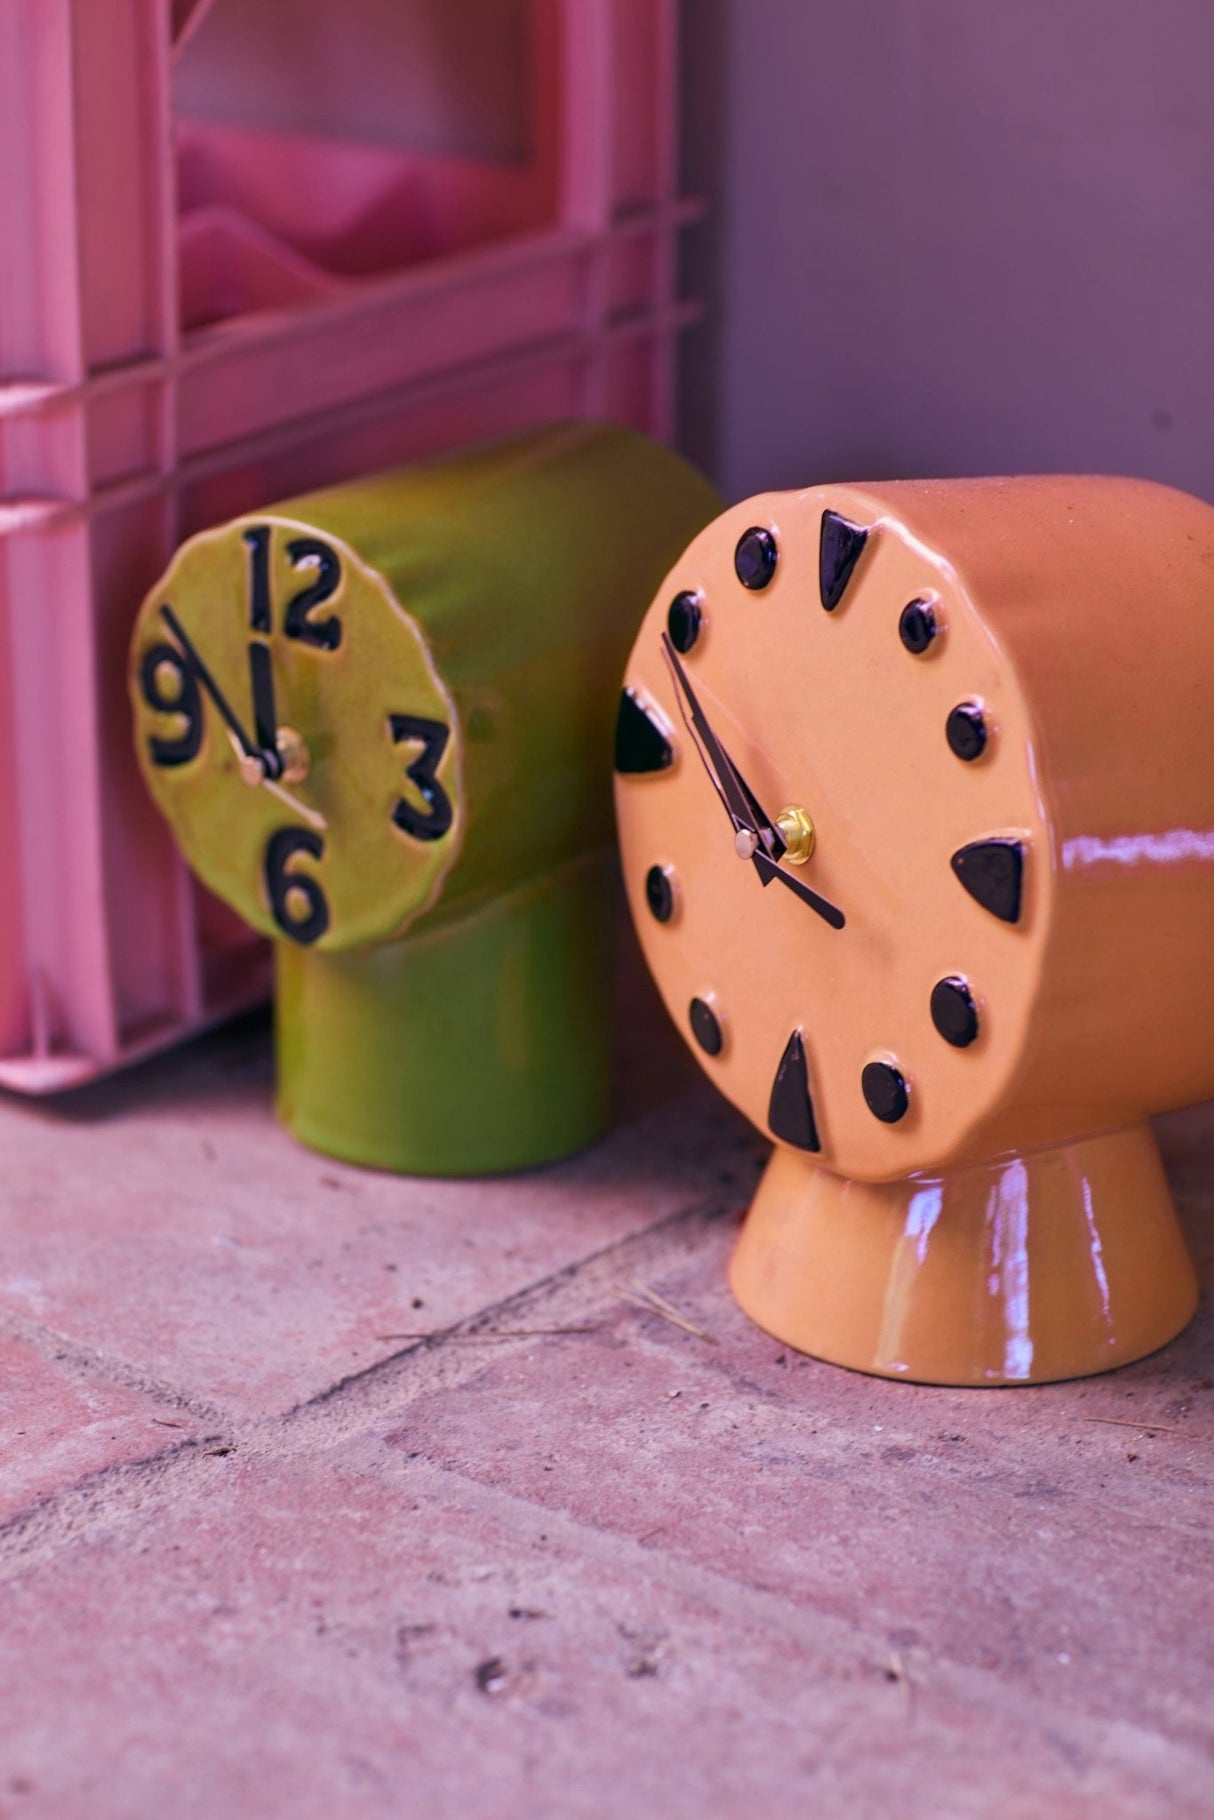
x=297, y=902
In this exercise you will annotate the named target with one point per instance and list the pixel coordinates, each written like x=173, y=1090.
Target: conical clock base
x=1024, y=1270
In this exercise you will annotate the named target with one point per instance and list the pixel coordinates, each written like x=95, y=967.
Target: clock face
x=292, y=727
x=833, y=840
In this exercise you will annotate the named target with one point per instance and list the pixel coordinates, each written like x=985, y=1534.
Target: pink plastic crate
x=228, y=274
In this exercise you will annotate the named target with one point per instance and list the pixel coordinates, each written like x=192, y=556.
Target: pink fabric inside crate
x=229, y=266
x=272, y=218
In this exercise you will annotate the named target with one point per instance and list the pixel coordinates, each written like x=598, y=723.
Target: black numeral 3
x=432, y=822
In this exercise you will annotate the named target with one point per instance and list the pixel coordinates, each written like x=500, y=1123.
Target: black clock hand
x=240, y=739
x=265, y=720
x=759, y=823
x=704, y=759
x=742, y=806
x=827, y=911
x=744, y=809
x=193, y=657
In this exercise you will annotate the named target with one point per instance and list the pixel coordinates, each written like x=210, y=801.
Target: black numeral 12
x=323, y=634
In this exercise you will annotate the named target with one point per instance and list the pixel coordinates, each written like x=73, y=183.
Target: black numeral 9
x=170, y=687
x=297, y=903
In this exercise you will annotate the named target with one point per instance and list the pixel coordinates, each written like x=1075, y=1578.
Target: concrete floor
x=266, y=1553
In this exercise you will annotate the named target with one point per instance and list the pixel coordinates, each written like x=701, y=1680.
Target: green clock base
x=473, y=1046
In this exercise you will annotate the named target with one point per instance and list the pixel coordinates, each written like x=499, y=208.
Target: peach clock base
x=1022, y=1270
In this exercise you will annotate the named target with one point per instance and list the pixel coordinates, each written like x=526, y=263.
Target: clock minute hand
x=760, y=825
x=738, y=826
x=744, y=809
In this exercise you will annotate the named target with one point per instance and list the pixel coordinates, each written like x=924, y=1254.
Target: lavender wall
x=953, y=236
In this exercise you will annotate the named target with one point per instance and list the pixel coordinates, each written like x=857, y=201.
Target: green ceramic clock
x=298, y=734
x=379, y=721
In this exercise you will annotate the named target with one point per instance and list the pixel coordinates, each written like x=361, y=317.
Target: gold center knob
x=293, y=751
x=797, y=832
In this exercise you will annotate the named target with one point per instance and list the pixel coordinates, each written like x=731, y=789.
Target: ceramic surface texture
x=992, y=701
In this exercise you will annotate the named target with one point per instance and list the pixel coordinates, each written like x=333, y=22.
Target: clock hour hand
x=827, y=911
x=194, y=658
x=741, y=804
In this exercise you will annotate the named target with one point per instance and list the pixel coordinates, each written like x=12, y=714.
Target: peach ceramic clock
x=915, y=788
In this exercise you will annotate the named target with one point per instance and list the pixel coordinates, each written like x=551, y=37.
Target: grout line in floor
x=342, y=1413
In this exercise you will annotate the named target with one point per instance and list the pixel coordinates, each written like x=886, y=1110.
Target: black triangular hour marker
x=640, y=738
x=992, y=871
x=791, y=1112
x=838, y=553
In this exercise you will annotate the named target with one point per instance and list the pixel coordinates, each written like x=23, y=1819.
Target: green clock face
x=292, y=726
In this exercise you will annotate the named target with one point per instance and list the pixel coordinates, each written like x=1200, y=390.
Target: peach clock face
x=833, y=843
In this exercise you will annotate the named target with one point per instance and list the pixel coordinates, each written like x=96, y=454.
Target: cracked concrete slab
x=593, y=1545
x=165, y=1222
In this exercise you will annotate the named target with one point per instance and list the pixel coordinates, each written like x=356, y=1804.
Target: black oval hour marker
x=641, y=744
x=885, y=1092
x=992, y=871
x=705, y=1027
x=965, y=730
x=790, y=1114
x=659, y=892
x=953, y=1011
x=917, y=626
x=840, y=546
x=683, y=621
x=755, y=558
